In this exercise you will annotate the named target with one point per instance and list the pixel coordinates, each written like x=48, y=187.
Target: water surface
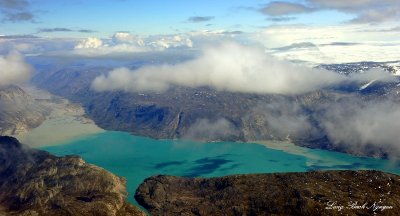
x=137, y=158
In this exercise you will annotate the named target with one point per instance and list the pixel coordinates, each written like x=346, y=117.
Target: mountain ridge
x=34, y=182
x=310, y=193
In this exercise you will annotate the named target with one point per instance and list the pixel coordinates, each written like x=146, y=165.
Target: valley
x=134, y=108
x=210, y=115
x=38, y=118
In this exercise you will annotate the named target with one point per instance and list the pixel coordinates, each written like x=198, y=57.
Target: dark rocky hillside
x=312, y=193
x=34, y=182
x=19, y=112
x=207, y=114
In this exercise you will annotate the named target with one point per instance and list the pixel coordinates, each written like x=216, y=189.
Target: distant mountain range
x=358, y=67
x=207, y=114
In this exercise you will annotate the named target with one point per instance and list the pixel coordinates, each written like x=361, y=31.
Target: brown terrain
x=34, y=182
x=311, y=193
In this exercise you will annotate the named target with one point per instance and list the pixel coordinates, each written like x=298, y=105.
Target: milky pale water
x=137, y=158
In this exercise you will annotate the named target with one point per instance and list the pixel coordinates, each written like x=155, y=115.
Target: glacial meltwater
x=137, y=158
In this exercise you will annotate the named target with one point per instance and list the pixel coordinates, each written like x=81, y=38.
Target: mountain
x=34, y=182
x=19, y=111
x=311, y=193
x=211, y=115
x=358, y=67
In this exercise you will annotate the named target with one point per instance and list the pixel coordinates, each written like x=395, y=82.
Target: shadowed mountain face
x=34, y=182
x=211, y=115
x=312, y=193
x=19, y=112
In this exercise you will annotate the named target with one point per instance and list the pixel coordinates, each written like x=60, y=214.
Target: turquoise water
x=137, y=158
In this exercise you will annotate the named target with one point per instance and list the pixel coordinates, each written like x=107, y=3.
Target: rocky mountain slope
x=312, y=193
x=357, y=67
x=34, y=182
x=207, y=114
x=19, y=112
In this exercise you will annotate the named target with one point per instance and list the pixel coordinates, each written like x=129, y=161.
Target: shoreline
x=313, y=158
x=65, y=122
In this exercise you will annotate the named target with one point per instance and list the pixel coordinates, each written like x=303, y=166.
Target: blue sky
x=151, y=17
x=139, y=16
x=338, y=28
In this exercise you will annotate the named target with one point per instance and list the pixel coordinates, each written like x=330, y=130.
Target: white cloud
x=336, y=53
x=125, y=37
x=366, y=11
x=119, y=44
x=89, y=43
x=360, y=44
x=282, y=118
x=13, y=69
x=122, y=43
x=173, y=41
x=357, y=124
x=284, y=35
x=204, y=129
x=230, y=67
x=105, y=50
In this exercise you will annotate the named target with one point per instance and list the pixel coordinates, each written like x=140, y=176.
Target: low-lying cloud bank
x=204, y=129
x=358, y=125
x=123, y=43
x=13, y=69
x=230, y=67
x=92, y=47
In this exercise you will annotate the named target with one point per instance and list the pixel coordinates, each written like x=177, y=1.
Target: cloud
x=377, y=16
x=34, y=45
x=204, y=129
x=366, y=11
x=50, y=30
x=281, y=19
x=89, y=43
x=14, y=4
x=86, y=31
x=281, y=119
x=126, y=37
x=13, y=69
x=93, y=47
x=380, y=46
x=340, y=44
x=18, y=36
x=280, y=8
x=196, y=19
x=54, y=30
x=358, y=125
x=118, y=45
x=393, y=29
x=19, y=16
x=298, y=46
x=16, y=11
x=122, y=43
x=228, y=67
x=232, y=32
x=172, y=41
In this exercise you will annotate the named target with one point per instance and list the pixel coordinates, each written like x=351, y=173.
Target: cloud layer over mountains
x=230, y=67
x=124, y=42
x=13, y=69
x=357, y=124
